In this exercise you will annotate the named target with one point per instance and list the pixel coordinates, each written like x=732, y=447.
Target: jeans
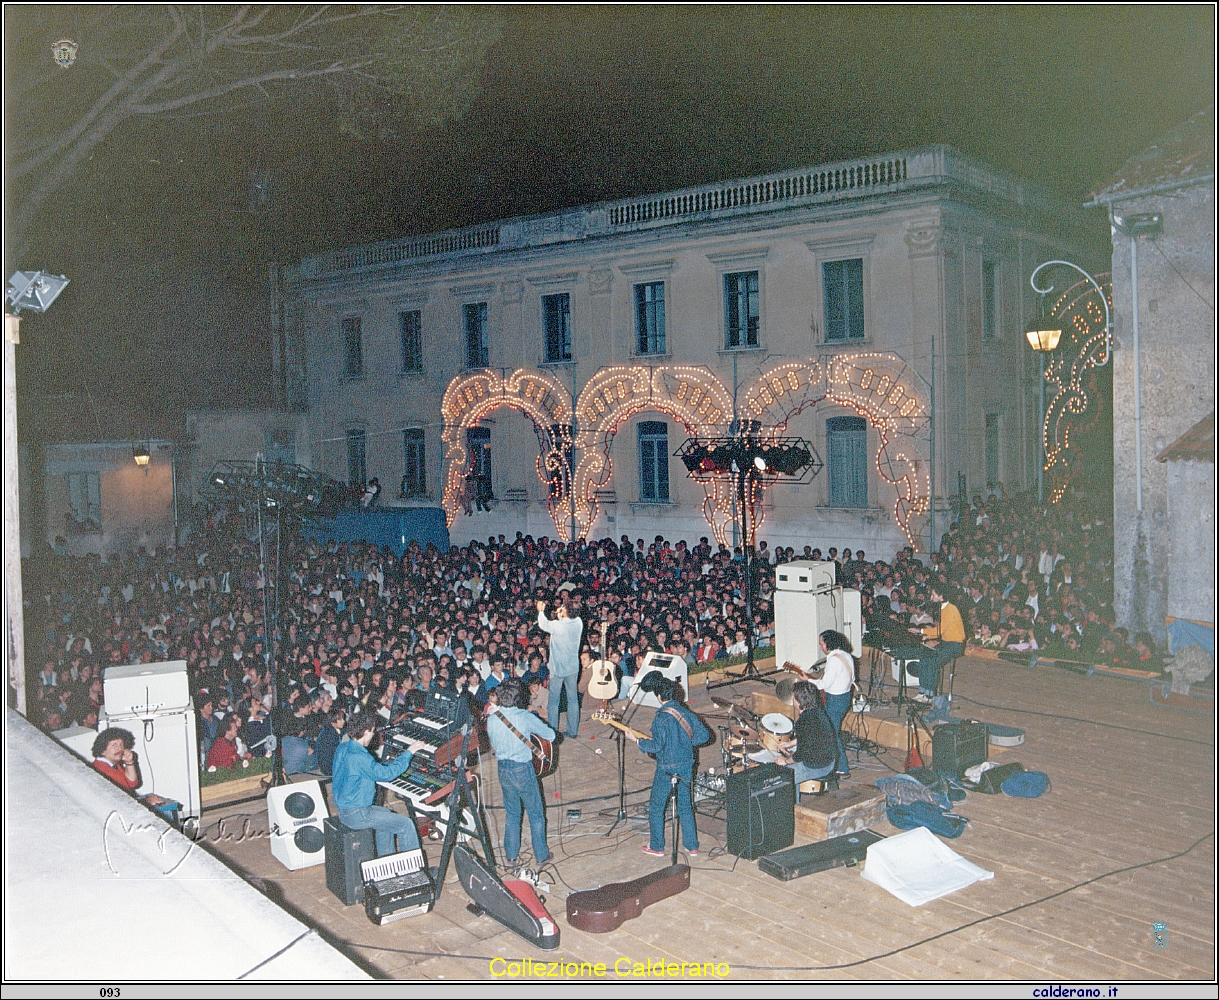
x=836, y=707
x=928, y=669
x=520, y=787
x=657, y=811
x=385, y=825
x=557, y=684
x=805, y=772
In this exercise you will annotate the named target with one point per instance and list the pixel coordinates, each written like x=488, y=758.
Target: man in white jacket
x=565, y=634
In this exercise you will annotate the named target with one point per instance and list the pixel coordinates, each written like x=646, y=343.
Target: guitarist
x=676, y=731
x=517, y=780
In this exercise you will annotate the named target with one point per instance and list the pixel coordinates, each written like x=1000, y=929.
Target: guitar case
x=598, y=911
x=514, y=904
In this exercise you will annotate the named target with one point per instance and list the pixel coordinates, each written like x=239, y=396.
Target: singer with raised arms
x=565, y=634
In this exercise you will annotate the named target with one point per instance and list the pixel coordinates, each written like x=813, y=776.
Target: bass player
x=676, y=731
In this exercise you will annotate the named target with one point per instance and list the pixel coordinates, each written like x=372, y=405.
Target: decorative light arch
x=539, y=396
x=880, y=387
x=692, y=396
x=1071, y=380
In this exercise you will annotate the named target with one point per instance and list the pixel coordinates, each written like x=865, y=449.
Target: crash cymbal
x=783, y=690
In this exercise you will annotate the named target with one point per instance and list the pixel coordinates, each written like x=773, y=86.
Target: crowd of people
x=362, y=629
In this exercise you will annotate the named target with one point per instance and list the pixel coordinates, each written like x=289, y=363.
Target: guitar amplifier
x=959, y=745
x=397, y=886
x=761, y=808
x=848, y=850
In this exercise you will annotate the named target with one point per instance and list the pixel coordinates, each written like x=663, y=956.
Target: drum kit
x=743, y=745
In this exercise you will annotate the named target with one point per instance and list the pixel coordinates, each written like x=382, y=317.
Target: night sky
x=168, y=251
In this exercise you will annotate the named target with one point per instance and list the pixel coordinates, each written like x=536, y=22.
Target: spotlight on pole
x=34, y=290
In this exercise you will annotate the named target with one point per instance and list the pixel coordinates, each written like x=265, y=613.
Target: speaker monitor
x=295, y=814
x=671, y=666
x=761, y=807
x=346, y=849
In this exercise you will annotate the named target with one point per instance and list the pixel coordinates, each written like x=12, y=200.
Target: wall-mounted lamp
x=141, y=455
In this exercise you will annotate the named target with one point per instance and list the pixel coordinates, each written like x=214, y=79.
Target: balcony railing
x=849, y=179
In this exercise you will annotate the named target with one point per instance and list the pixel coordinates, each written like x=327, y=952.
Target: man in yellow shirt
x=949, y=637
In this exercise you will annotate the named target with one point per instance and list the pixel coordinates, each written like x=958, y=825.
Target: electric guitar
x=544, y=758
x=798, y=671
x=602, y=685
x=607, y=718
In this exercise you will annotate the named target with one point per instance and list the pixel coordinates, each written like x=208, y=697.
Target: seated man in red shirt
x=224, y=751
x=114, y=756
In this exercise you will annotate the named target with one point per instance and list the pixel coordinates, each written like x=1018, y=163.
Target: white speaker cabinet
x=295, y=813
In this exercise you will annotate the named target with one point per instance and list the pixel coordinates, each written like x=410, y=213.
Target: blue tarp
x=395, y=527
x=1182, y=633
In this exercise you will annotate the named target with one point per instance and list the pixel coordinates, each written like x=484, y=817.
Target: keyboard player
x=356, y=774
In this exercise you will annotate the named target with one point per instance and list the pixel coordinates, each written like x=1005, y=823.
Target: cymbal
x=783, y=690
x=743, y=731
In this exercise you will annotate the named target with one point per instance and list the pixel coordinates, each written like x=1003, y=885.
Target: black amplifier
x=812, y=858
x=959, y=745
x=761, y=810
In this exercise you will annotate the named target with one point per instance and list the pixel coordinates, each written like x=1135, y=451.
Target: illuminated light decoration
x=692, y=396
x=1071, y=381
x=542, y=398
x=879, y=386
x=882, y=389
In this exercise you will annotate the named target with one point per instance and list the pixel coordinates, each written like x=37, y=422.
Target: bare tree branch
x=178, y=60
x=19, y=170
x=254, y=81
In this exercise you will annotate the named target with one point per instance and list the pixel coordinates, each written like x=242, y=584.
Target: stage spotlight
x=760, y=462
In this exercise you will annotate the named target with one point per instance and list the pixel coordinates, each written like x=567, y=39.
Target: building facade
x=1162, y=209
x=827, y=278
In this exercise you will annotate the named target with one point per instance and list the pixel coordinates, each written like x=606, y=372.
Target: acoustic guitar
x=602, y=685
x=544, y=758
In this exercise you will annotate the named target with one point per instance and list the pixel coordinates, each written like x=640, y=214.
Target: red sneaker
x=647, y=849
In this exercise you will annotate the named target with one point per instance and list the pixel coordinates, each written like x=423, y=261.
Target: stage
x=1132, y=784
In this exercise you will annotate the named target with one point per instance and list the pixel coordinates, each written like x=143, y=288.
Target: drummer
x=813, y=751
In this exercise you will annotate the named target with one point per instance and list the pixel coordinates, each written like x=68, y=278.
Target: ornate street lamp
x=1043, y=336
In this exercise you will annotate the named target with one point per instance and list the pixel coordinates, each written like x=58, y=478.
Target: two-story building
x=874, y=307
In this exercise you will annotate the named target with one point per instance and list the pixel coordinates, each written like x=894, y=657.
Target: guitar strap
x=670, y=710
x=512, y=729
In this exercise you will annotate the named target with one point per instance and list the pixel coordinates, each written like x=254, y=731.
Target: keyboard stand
x=460, y=802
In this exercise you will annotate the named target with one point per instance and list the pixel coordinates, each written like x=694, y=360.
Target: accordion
x=397, y=886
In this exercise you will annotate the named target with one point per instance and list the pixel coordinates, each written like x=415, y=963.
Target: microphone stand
x=622, y=816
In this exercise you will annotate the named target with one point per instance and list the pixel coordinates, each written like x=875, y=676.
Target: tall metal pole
x=931, y=546
x=571, y=478
x=746, y=549
x=736, y=422
x=1041, y=432
x=14, y=610
x=1138, y=395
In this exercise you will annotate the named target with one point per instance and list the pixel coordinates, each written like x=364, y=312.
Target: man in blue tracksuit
x=676, y=731
x=356, y=774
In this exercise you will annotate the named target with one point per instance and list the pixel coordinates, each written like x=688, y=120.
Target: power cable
x=974, y=923
x=1091, y=722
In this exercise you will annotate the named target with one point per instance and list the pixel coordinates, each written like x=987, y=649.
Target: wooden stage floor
x=1132, y=785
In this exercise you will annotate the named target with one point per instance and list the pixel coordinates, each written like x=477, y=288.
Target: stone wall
x=1177, y=376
